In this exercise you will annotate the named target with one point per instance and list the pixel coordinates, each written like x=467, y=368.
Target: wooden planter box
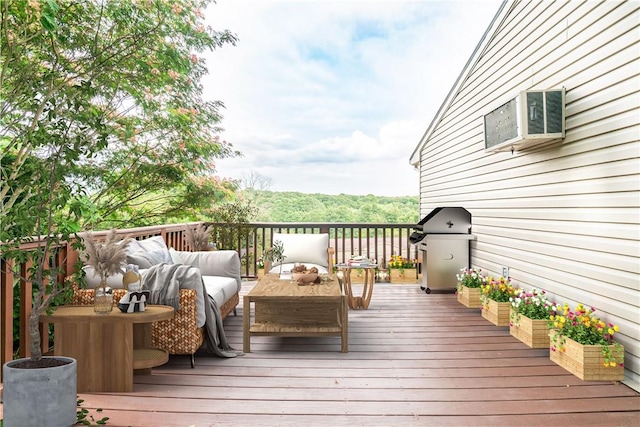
x=469, y=297
x=408, y=275
x=532, y=332
x=497, y=312
x=260, y=273
x=586, y=361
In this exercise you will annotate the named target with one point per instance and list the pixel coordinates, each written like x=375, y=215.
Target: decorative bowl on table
x=302, y=275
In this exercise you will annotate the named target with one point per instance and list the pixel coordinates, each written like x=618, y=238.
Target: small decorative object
x=198, y=238
x=494, y=297
x=529, y=317
x=106, y=258
x=468, y=287
x=402, y=270
x=132, y=280
x=584, y=345
x=134, y=301
x=304, y=276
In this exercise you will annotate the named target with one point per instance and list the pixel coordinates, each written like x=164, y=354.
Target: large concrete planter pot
x=40, y=397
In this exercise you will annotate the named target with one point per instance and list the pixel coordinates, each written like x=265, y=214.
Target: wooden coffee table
x=107, y=347
x=284, y=308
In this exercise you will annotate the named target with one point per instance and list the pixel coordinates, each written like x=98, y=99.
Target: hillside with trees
x=343, y=208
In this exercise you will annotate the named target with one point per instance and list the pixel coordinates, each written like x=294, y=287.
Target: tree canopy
x=102, y=114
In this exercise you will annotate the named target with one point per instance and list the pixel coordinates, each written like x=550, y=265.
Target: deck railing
x=377, y=241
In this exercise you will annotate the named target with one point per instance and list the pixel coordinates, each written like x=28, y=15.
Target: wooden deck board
x=414, y=360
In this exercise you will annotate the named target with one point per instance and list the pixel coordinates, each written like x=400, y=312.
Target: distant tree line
x=301, y=207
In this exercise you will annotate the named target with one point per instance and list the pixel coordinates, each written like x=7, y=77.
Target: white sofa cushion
x=220, y=288
x=175, y=256
x=223, y=263
x=303, y=248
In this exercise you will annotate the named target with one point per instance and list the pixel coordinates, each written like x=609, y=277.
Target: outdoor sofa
x=184, y=333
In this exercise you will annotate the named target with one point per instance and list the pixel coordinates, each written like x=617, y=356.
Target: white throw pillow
x=154, y=246
x=144, y=259
x=309, y=248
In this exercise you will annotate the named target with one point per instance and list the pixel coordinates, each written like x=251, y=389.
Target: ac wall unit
x=530, y=119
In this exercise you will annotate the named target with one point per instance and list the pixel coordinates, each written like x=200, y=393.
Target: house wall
x=564, y=217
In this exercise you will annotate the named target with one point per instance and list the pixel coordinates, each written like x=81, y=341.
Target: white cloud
x=333, y=96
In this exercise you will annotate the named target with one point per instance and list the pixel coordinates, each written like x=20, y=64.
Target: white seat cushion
x=220, y=288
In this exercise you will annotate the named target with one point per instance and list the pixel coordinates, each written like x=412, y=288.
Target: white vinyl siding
x=564, y=216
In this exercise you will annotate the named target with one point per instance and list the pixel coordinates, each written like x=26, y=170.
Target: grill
x=444, y=239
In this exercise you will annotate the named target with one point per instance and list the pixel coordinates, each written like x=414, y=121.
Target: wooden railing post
x=26, y=301
x=6, y=312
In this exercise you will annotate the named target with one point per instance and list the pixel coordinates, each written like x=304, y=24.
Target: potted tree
x=34, y=212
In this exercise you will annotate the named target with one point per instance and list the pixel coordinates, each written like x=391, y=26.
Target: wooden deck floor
x=414, y=359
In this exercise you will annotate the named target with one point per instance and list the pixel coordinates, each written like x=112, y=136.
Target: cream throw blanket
x=164, y=282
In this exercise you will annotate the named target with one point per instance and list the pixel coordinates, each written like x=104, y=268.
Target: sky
x=333, y=96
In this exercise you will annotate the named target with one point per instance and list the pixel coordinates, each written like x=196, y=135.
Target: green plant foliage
x=236, y=214
x=471, y=278
x=275, y=253
x=83, y=416
x=111, y=90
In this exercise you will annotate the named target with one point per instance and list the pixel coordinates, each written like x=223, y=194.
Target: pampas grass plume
x=107, y=258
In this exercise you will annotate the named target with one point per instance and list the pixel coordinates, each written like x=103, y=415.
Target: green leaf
x=48, y=15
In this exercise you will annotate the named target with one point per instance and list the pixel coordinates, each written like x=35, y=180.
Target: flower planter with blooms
x=468, y=287
x=402, y=270
x=584, y=345
x=494, y=297
x=260, y=268
x=529, y=317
